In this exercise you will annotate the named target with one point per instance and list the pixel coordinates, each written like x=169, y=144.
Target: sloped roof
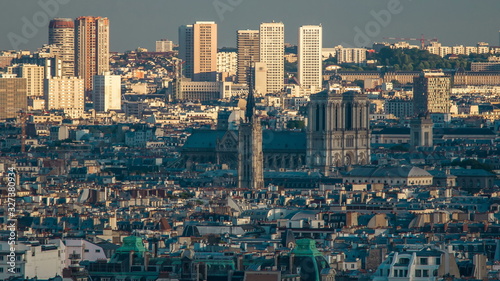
x=204, y=139
x=392, y=131
x=402, y=171
x=286, y=140
x=464, y=131
x=271, y=140
x=471, y=173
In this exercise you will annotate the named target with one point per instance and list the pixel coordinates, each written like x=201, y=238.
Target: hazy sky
x=140, y=23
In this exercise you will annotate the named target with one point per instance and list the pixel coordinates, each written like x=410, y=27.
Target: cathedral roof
x=271, y=140
x=277, y=140
x=204, y=139
x=377, y=172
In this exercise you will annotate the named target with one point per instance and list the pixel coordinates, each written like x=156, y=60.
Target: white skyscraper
x=272, y=51
x=107, y=92
x=310, y=61
x=65, y=93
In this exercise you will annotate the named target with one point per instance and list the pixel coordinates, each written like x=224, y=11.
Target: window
x=418, y=273
x=86, y=250
x=424, y=261
x=425, y=273
x=97, y=250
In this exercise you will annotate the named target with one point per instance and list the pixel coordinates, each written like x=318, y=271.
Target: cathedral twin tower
x=338, y=135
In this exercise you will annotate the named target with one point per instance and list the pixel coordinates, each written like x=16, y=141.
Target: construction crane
x=422, y=40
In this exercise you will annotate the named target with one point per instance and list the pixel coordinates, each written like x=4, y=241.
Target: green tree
x=359, y=83
x=295, y=124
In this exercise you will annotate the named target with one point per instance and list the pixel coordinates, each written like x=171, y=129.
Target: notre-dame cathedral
x=338, y=133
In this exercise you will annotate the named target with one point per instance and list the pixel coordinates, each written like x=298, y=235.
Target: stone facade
x=338, y=133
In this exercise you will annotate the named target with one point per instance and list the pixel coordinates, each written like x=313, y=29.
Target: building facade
x=91, y=48
x=421, y=132
x=13, y=97
x=431, y=93
x=66, y=93
x=272, y=51
x=164, y=45
x=184, y=89
x=248, y=52
x=107, y=92
x=198, y=49
x=310, y=62
x=62, y=34
x=34, y=76
x=227, y=62
x=351, y=55
x=338, y=133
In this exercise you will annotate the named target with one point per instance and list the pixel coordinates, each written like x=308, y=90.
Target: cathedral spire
x=250, y=109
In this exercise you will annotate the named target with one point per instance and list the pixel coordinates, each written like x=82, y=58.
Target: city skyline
x=341, y=20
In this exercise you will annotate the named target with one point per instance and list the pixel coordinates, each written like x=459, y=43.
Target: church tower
x=250, y=156
x=338, y=131
x=421, y=131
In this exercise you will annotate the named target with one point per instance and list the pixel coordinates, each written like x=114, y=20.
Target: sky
x=354, y=23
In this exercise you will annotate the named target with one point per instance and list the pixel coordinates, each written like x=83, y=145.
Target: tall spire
x=250, y=110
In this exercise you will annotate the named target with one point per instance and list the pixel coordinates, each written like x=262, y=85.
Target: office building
x=164, y=45
x=227, y=62
x=310, y=63
x=186, y=49
x=198, y=48
x=248, y=52
x=351, y=55
x=91, y=48
x=431, y=93
x=52, y=64
x=272, y=51
x=65, y=93
x=398, y=107
x=62, y=35
x=13, y=98
x=184, y=89
x=34, y=76
x=107, y=92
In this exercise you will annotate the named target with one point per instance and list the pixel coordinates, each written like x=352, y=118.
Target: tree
x=473, y=163
x=359, y=83
x=295, y=124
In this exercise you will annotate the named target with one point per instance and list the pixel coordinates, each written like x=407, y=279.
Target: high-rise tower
x=248, y=52
x=198, y=48
x=272, y=52
x=338, y=133
x=310, y=61
x=91, y=48
x=431, y=93
x=62, y=34
x=250, y=156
